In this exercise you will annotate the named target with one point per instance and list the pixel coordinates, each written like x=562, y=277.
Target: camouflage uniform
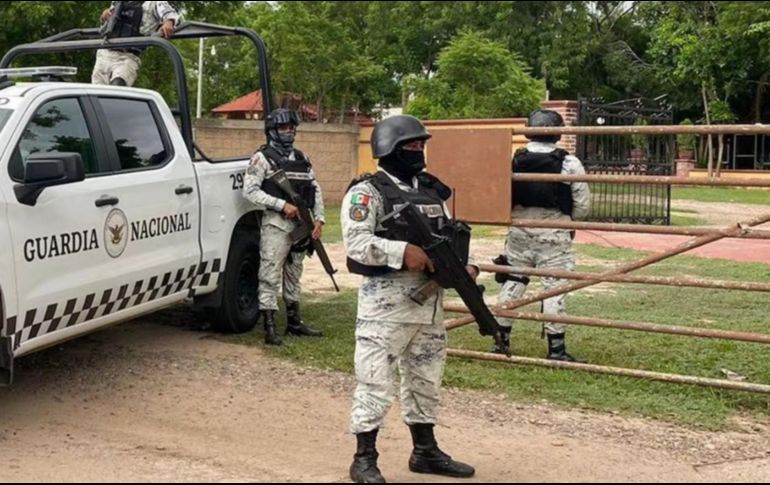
x=392, y=332
x=545, y=248
x=277, y=260
x=113, y=64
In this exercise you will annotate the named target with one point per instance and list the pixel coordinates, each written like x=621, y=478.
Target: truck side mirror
x=43, y=170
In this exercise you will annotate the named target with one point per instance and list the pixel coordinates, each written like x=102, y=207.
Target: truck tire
x=239, y=311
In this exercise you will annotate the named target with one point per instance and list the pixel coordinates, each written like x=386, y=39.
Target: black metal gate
x=628, y=155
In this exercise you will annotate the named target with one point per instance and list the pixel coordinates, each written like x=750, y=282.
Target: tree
x=359, y=54
x=476, y=78
x=748, y=25
x=712, y=56
x=692, y=53
x=314, y=54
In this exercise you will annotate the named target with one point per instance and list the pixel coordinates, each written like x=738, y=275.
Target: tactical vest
x=299, y=173
x=429, y=199
x=546, y=195
x=129, y=24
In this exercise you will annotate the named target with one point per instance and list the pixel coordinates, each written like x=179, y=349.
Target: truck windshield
x=5, y=114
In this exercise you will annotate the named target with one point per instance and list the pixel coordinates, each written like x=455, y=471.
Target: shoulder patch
x=359, y=213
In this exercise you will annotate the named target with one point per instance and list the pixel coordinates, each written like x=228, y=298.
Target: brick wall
x=333, y=149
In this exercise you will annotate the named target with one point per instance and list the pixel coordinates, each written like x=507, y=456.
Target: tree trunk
x=721, y=148
x=702, y=150
x=721, y=154
x=320, y=107
x=342, y=109
x=759, y=99
x=429, y=65
x=710, y=139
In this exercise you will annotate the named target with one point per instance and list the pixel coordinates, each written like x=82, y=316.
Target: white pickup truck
x=106, y=216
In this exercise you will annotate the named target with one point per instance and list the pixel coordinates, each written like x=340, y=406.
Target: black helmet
x=281, y=116
x=392, y=132
x=278, y=117
x=544, y=118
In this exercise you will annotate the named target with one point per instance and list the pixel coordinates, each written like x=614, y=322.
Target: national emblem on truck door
x=116, y=233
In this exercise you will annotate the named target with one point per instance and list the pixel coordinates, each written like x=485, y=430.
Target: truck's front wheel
x=239, y=311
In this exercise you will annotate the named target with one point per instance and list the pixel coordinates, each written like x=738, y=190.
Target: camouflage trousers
x=278, y=265
x=112, y=64
x=543, y=250
x=418, y=352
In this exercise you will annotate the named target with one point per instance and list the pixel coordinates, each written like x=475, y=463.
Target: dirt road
x=152, y=402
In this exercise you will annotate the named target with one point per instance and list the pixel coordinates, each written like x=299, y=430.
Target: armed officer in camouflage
x=393, y=332
x=136, y=19
x=280, y=258
x=544, y=248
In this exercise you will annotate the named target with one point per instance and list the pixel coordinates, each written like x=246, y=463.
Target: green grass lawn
x=333, y=228
x=710, y=409
x=723, y=194
x=680, y=220
x=701, y=194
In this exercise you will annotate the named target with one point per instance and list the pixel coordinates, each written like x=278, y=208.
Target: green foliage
x=476, y=78
x=341, y=55
x=711, y=50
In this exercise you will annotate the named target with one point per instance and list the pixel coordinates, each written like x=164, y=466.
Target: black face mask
x=404, y=164
x=287, y=140
x=283, y=142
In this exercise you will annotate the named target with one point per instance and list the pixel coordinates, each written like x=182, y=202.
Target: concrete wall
x=333, y=149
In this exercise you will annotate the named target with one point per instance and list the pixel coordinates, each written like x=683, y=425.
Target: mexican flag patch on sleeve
x=361, y=200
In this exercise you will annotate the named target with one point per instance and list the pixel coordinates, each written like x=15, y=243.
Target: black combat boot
x=504, y=346
x=557, y=349
x=364, y=468
x=271, y=336
x=428, y=459
x=294, y=324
